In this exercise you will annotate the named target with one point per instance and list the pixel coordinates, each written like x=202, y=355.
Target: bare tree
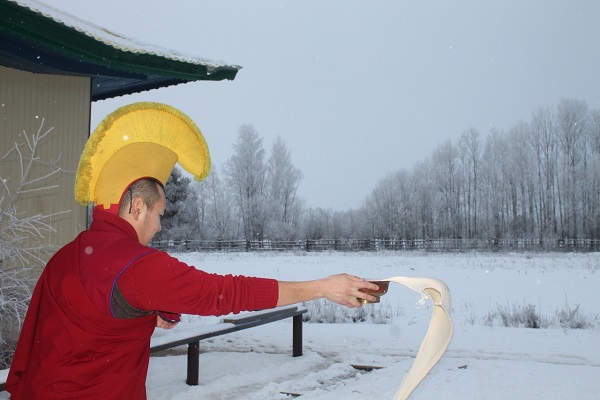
x=246, y=172
x=521, y=158
x=446, y=183
x=318, y=223
x=572, y=119
x=492, y=186
x=593, y=186
x=386, y=207
x=422, y=193
x=283, y=179
x=470, y=149
x=595, y=130
x=215, y=208
x=543, y=140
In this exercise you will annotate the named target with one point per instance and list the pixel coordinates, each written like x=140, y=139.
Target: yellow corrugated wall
x=62, y=103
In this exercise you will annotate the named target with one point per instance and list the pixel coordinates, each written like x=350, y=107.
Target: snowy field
x=484, y=361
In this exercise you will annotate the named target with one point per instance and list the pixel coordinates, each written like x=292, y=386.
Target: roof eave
x=52, y=46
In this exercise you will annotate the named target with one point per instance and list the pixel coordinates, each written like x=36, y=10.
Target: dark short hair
x=149, y=190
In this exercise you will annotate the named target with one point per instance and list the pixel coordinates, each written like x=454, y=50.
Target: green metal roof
x=37, y=38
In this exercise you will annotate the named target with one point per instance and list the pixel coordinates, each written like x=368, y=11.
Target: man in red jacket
x=87, y=331
x=88, y=327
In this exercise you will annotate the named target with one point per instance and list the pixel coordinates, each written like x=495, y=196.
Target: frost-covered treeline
x=538, y=180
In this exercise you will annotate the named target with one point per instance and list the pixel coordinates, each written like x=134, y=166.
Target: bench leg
x=193, y=369
x=297, y=336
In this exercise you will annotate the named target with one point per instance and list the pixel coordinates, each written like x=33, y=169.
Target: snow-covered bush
x=15, y=292
x=517, y=316
x=22, y=248
x=526, y=316
x=572, y=318
x=326, y=312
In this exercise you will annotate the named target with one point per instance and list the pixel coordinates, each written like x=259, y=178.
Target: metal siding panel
x=62, y=103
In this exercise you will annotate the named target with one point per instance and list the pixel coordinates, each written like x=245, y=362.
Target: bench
x=192, y=337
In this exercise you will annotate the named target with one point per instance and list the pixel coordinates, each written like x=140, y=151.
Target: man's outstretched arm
x=341, y=289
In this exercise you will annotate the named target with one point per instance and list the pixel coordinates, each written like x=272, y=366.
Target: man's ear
x=136, y=207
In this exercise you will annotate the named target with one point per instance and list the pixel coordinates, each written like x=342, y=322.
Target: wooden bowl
x=383, y=288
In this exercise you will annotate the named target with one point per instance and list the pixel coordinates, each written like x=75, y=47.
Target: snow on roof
x=113, y=39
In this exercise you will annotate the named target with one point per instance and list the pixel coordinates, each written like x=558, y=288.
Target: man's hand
x=342, y=289
x=161, y=323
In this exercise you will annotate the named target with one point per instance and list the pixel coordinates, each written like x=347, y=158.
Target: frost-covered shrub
x=523, y=316
x=15, y=292
x=22, y=248
x=325, y=312
x=526, y=316
x=572, y=318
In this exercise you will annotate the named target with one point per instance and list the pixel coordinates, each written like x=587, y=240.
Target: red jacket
x=72, y=347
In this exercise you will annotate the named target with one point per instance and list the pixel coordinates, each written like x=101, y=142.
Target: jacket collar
x=106, y=221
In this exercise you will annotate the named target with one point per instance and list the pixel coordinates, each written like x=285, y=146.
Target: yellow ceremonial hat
x=140, y=140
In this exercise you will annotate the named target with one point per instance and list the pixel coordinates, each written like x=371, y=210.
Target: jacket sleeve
x=161, y=282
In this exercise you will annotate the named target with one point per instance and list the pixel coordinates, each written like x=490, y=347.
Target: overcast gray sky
x=359, y=89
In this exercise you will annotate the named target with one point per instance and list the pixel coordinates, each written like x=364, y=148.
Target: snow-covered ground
x=482, y=362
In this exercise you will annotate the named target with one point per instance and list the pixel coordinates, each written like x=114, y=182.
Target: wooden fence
x=442, y=245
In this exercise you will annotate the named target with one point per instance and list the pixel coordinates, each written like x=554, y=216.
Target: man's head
x=142, y=205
